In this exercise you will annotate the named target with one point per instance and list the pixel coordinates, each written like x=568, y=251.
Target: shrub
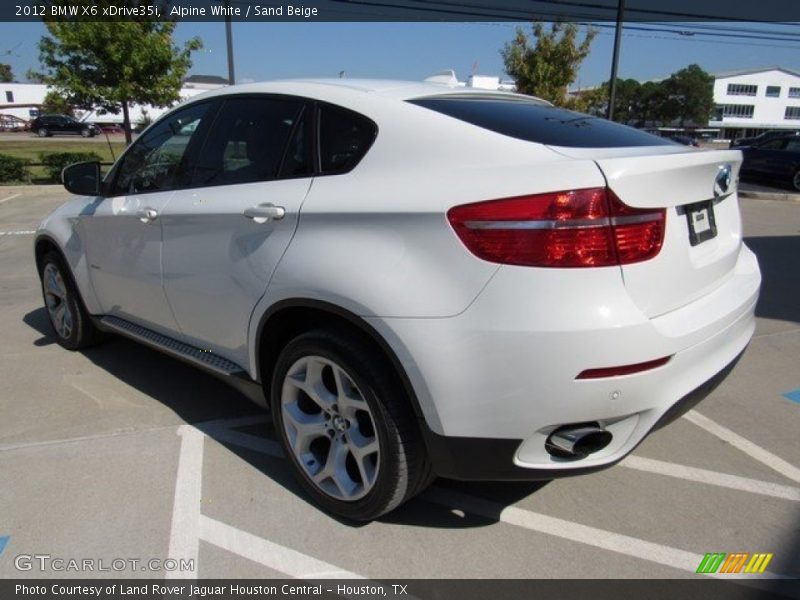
x=13, y=168
x=55, y=162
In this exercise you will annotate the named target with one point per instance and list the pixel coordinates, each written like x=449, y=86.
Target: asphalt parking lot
x=121, y=452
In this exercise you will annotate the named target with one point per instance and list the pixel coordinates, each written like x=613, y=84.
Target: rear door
x=224, y=236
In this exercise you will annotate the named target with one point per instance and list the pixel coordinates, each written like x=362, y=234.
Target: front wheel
x=346, y=426
x=42, y=132
x=73, y=327
x=86, y=133
x=796, y=180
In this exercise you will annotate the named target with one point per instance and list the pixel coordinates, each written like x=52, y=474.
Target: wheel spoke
x=310, y=382
x=58, y=319
x=335, y=470
x=347, y=396
x=366, y=468
x=306, y=427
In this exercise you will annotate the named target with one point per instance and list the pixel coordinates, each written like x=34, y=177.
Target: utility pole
x=612, y=86
x=229, y=40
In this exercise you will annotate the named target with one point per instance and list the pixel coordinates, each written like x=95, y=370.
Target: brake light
x=576, y=228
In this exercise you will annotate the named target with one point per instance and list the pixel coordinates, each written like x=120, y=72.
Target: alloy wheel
x=330, y=428
x=56, y=296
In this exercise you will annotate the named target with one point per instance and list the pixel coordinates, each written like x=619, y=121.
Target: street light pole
x=612, y=86
x=229, y=41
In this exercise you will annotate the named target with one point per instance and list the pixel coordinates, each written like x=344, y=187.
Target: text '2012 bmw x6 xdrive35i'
x=417, y=280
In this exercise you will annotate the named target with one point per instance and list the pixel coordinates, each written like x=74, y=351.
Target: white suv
x=417, y=280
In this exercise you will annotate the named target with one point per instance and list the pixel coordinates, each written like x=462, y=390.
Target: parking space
x=119, y=451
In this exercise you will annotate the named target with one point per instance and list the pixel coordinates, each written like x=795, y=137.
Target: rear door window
x=248, y=140
x=536, y=122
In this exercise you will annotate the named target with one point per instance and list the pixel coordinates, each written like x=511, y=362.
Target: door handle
x=147, y=215
x=265, y=212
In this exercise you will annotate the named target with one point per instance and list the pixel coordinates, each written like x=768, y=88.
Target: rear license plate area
x=702, y=226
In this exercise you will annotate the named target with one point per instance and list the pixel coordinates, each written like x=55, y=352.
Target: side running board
x=223, y=368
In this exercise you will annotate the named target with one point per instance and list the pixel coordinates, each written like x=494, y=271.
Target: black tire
x=795, y=182
x=42, y=132
x=403, y=467
x=86, y=133
x=81, y=333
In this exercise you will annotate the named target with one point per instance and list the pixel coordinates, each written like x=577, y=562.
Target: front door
x=123, y=231
x=224, y=237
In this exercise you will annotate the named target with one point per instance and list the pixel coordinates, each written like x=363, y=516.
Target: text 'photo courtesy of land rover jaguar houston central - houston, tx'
x=417, y=280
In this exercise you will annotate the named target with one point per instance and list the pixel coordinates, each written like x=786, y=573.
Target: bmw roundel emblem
x=722, y=182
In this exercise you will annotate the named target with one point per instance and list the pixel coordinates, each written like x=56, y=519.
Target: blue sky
x=416, y=50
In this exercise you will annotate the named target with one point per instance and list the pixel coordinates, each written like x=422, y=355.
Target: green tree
x=690, y=95
x=56, y=103
x=547, y=68
x=6, y=75
x=112, y=64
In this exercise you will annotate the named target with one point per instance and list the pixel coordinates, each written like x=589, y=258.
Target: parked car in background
x=777, y=160
x=762, y=138
x=49, y=125
x=685, y=140
x=112, y=129
x=417, y=279
x=12, y=123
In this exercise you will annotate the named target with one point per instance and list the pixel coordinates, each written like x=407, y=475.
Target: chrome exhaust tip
x=577, y=441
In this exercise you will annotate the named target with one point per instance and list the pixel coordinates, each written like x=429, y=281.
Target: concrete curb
x=782, y=196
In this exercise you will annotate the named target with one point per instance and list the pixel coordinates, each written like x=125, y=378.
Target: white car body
x=490, y=353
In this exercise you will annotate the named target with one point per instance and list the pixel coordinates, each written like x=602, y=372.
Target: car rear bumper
x=495, y=381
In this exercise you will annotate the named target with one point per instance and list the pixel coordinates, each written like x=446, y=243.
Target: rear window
x=534, y=122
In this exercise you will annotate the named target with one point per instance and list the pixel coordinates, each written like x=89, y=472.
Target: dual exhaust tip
x=573, y=442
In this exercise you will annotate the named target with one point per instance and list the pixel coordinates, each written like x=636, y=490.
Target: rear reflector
x=576, y=228
x=623, y=370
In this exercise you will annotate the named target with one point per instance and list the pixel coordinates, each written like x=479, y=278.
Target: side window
x=154, y=162
x=247, y=141
x=793, y=145
x=344, y=138
x=773, y=145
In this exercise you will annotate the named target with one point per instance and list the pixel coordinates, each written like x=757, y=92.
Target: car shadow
x=779, y=259
x=199, y=398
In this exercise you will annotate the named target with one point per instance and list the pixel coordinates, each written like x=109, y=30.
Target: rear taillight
x=577, y=228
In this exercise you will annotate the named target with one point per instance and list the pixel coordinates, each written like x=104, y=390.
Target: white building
x=23, y=100
x=751, y=101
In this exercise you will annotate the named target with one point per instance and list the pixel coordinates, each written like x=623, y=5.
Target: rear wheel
x=73, y=327
x=42, y=132
x=796, y=180
x=348, y=430
x=86, y=133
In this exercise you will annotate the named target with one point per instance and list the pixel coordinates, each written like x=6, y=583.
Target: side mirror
x=82, y=178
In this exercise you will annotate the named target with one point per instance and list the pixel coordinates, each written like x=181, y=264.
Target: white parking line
x=184, y=540
x=584, y=534
x=272, y=555
x=569, y=530
x=20, y=232
x=763, y=456
x=11, y=197
x=733, y=482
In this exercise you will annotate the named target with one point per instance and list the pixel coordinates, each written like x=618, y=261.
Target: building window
x=736, y=111
x=794, y=92
x=742, y=89
x=773, y=91
x=9, y=96
x=792, y=112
